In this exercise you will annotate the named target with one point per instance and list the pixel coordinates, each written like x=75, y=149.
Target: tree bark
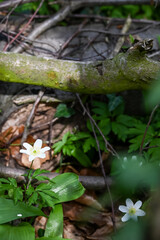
x=130, y=70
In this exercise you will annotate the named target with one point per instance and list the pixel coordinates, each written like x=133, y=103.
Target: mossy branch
x=130, y=70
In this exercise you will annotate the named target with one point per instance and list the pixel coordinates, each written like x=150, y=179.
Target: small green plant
x=29, y=199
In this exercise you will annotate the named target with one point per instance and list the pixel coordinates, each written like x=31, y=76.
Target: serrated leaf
x=22, y=232
x=58, y=147
x=9, y=210
x=43, y=186
x=18, y=195
x=38, y=172
x=100, y=108
x=67, y=149
x=63, y=111
x=5, y=187
x=42, y=178
x=30, y=190
x=105, y=126
x=47, y=199
x=88, y=143
x=120, y=130
x=13, y=182
x=50, y=193
x=52, y=238
x=33, y=198
x=3, y=180
x=54, y=227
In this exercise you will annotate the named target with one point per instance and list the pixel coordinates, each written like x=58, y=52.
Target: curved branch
x=130, y=70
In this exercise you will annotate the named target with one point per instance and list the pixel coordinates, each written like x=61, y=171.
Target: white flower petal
x=31, y=157
x=42, y=155
x=138, y=204
x=134, y=217
x=129, y=203
x=38, y=143
x=23, y=151
x=27, y=146
x=45, y=149
x=140, y=212
x=123, y=208
x=125, y=218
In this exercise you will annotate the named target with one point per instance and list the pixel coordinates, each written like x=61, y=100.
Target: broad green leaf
x=9, y=210
x=81, y=157
x=67, y=187
x=54, y=227
x=52, y=238
x=22, y=232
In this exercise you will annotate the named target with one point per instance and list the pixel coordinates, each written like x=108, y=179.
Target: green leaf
x=18, y=195
x=22, y=232
x=42, y=178
x=4, y=180
x=88, y=143
x=13, y=182
x=38, y=172
x=114, y=101
x=47, y=199
x=58, y=147
x=67, y=187
x=52, y=238
x=30, y=190
x=63, y=111
x=33, y=198
x=9, y=210
x=100, y=108
x=105, y=126
x=120, y=130
x=81, y=157
x=54, y=227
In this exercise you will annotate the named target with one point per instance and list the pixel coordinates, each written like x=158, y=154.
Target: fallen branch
x=130, y=70
x=89, y=182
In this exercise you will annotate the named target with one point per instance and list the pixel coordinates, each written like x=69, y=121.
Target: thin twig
x=148, y=124
x=120, y=41
x=59, y=16
x=108, y=145
x=31, y=116
x=71, y=38
x=104, y=174
x=24, y=28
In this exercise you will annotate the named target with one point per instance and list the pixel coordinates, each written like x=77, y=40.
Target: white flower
x=35, y=151
x=132, y=210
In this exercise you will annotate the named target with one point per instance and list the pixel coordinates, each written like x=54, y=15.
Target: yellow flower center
x=35, y=151
x=132, y=211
